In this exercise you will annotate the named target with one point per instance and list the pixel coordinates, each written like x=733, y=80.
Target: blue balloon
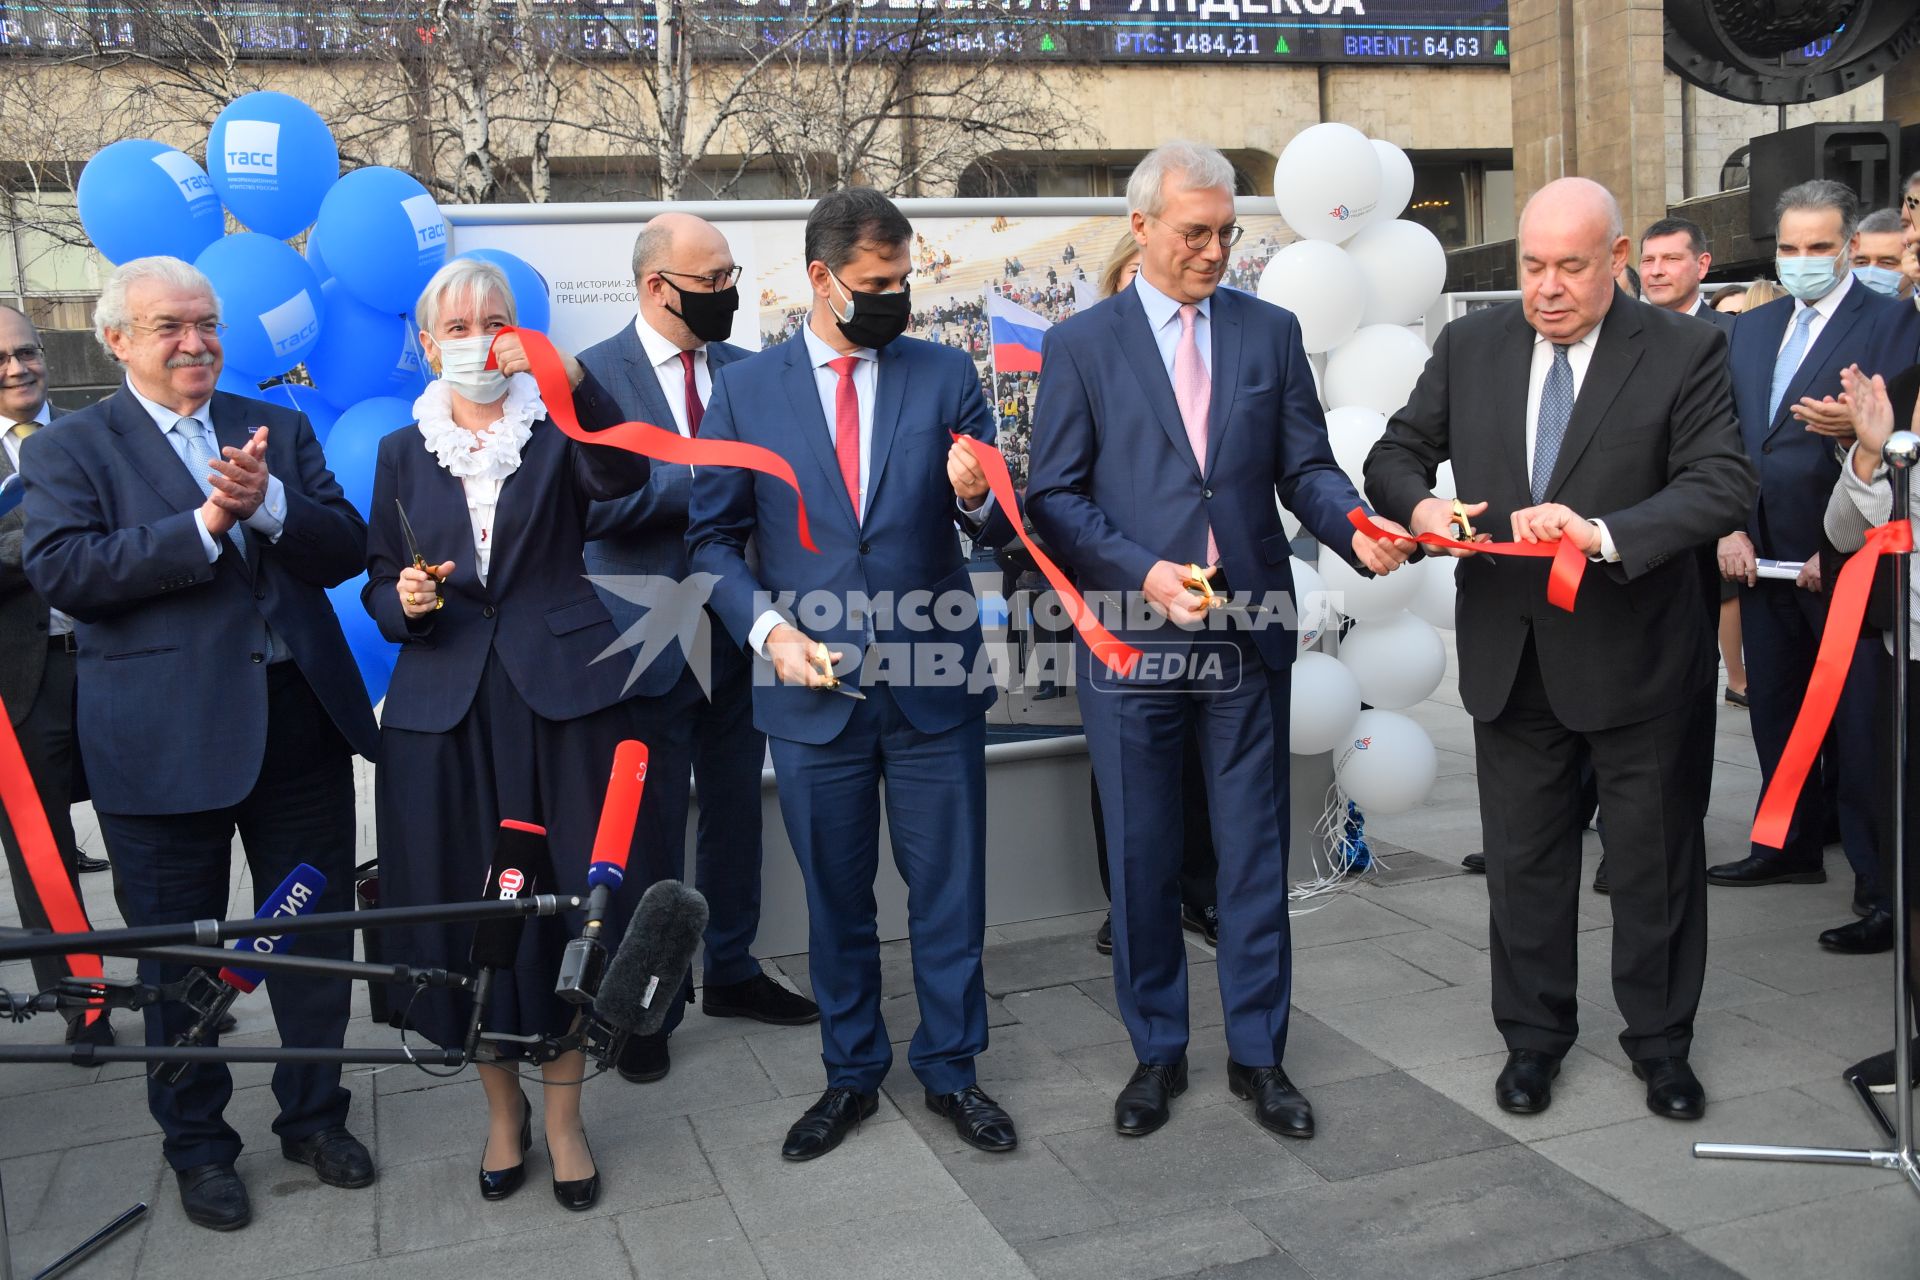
x=139, y=198
x=237, y=381
x=372, y=652
x=272, y=159
x=268, y=298
x=529, y=287
x=385, y=237
x=363, y=353
x=353, y=446
x=316, y=258
x=320, y=415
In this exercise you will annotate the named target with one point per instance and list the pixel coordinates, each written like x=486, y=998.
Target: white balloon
x=1325, y=702
x=1396, y=180
x=1398, y=661
x=1323, y=288
x=1443, y=482
x=1363, y=599
x=1311, y=608
x=1327, y=182
x=1376, y=368
x=1433, y=598
x=1289, y=522
x=1387, y=764
x=1318, y=363
x=1405, y=270
x=1352, y=433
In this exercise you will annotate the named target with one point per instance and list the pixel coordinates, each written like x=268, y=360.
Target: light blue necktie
x=1788, y=362
x=1556, y=410
x=199, y=460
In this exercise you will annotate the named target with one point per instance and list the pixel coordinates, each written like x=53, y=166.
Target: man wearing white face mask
x=1878, y=248
x=1785, y=361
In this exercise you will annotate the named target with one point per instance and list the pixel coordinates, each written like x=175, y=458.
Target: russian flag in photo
x=1017, y=333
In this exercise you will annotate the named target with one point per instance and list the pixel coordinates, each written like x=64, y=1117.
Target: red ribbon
x=643, y=437
x=1117, y=654
x=1846, y=610
x=45, y=867
x=1563, y=583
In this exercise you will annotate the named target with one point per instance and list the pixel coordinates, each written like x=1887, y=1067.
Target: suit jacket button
x=1767, y=447
x=486, y=611
x=1207, y=494
x=865, y=547
x=257, y=657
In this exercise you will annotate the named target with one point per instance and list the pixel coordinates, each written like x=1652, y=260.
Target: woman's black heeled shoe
x=498, y=1184
x=583, y=1193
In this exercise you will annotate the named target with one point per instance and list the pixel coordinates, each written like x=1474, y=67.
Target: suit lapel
x=644, y=381
x=147, y=449
x=1150, y=372
x=1832, y=334
x=889, y=394
x=1614, y=356
x=812, y=424
x=1224, y=320
x=1756, y=369
x=1515, y=365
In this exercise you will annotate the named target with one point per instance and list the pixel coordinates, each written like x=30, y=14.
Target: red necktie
x=695, y=410
x=846, y=428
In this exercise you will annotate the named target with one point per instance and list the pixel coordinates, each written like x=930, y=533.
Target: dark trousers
x=47, y=741
x=170, y=868
x=936, y=795
x=1136, y=735
x=1198, y=863
x=714, y=745
x=1650, y=782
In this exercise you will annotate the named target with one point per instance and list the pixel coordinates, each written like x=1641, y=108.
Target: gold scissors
x=823, y=659
x=1197, y=583
x=1460, y=519
x=413, y=549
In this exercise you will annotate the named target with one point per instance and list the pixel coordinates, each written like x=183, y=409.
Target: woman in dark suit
x=497, y=709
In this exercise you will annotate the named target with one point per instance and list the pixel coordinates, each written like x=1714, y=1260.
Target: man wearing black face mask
x=866, y=419
x=696, y=703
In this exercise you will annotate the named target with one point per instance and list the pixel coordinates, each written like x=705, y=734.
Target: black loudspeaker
x=1863, y=155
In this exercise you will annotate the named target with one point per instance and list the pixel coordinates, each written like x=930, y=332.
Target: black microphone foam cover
x=647, y=971
x=520, y=867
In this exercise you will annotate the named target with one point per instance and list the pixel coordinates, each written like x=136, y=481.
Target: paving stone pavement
x=1414, y=1173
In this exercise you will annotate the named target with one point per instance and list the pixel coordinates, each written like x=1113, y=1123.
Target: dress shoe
x=1877, y=1072
x=227, y=1025
x=99, y=1033
x=340, y=1159
x=1673, y=1090
x=1737, y=697
x=580, y=1194
x=1474, y=864
x=1868, y=937
x=1756, y=870
x=87, y=866
x=214, y=1197
x=1862, y=898
x=1103, y=939
x=1525, y=1085
x=644, y=1059
x=1204, y=921
x=1600, y=877
x=1277, y=1105
x=821, y=1127
x=498, y=1184
x=1147, y=1101
x=759, y=998
x=980, y=1121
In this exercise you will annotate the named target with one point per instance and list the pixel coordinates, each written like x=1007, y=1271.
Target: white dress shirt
x=1579, y=356
x=667, y=367
x=58, y=623
x=1823, y=312
x=268, y=519
x=1163, y=317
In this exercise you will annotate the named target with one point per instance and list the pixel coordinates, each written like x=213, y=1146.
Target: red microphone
x=584, y=960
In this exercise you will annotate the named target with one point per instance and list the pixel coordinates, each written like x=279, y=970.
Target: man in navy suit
x=191, y=535
x=1785, y=362
x=1169, y=419
x=696, y=708
x=1673, y=261
x=871, y=653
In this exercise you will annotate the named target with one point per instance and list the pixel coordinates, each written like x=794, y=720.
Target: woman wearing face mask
x=497, y=709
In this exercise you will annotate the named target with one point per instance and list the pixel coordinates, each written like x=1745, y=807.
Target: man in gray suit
x=693, y=686
x=36, y=656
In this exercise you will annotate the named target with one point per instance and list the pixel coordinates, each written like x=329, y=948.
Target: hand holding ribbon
x=1569, y=562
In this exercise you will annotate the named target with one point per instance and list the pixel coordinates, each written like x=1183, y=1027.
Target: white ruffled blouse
x=481, y=462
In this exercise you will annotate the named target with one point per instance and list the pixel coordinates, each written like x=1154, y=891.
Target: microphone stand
x=1902, y=454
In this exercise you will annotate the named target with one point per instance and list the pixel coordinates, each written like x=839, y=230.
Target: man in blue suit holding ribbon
x=869, y=652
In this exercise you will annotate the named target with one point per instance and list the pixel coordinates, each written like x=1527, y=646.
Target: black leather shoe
x=644, y=1059
x=1147, y=1101
x=580, y=1194
x=1103, y=940
x=1474, y=864
x=1204, y=921
x=214, y=1197
x=227, y=1025
x=1752, y=871
x=340, y=1159
x=1600, y=877
x=99, y=1033
x=1277, y=1105
x=498, y=1184
x=1673, y=1090
x=87, y=866
x=1878, y=1072
x=980, y=1121
x=1525, y=1085
x=821, y=1127
x=759, y=998
x=1868, y=937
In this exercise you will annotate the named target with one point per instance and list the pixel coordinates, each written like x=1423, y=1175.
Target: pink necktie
x=846, y=428
x=1194, y=394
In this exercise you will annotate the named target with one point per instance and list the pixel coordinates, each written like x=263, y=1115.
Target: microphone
x=519, y=859
x=649, y=968
x=210, y=997
x=585, y=958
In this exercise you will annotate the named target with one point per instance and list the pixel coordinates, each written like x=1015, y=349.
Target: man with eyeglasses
x=36, y=658
x=192, y=534
x=694, y=689
x=1170, y=418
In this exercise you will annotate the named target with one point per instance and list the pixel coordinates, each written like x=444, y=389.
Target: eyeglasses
x=25, y=355
x=174, y=330
x=1198, y=238
x=715, y=281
